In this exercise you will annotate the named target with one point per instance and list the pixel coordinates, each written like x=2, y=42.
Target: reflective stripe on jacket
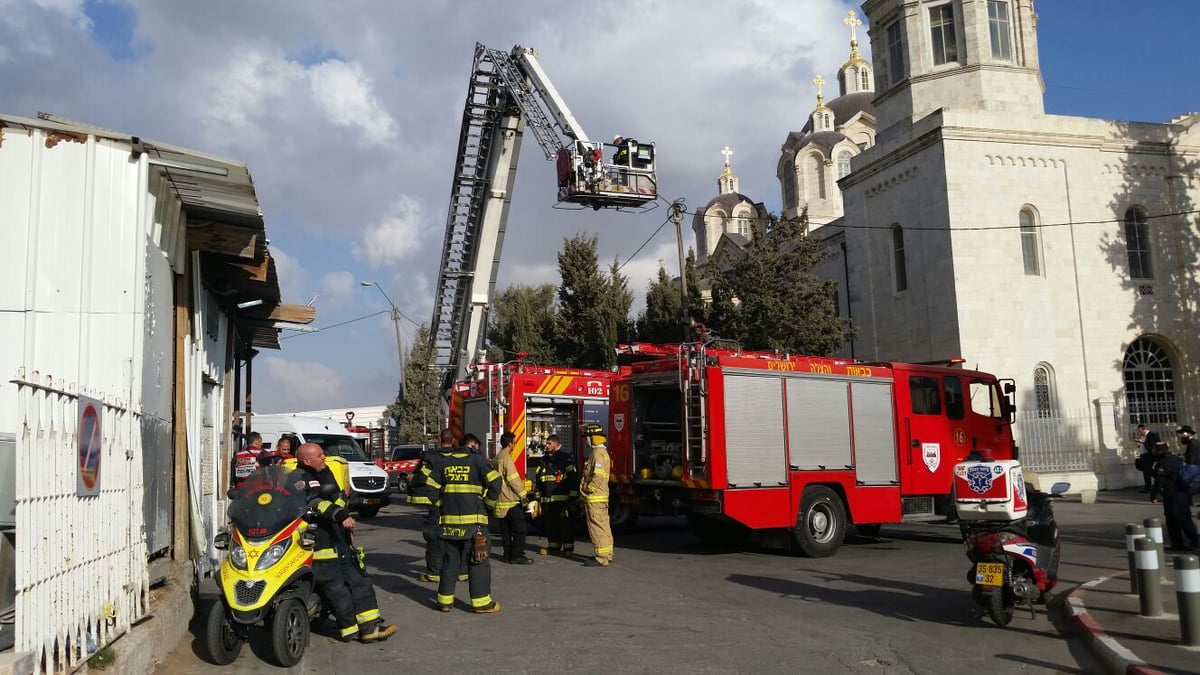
x=512, y=486
x=468, y=489
x=557, y=478
x=594, y=481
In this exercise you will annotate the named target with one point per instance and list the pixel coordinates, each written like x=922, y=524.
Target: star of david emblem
x=979, y=479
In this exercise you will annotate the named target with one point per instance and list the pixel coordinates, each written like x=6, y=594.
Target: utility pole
x=677, y=216
x=396, y=324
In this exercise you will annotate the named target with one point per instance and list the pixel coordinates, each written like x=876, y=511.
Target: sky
x=347, y=115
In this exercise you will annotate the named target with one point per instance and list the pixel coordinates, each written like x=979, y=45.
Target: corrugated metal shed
x=223, y=220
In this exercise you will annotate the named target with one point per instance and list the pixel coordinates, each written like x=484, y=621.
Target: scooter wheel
x=222, y=642
x=289, y=632
x=1000, y=607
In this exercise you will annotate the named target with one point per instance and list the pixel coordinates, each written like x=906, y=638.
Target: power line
x=644, y=244
x=343, y=323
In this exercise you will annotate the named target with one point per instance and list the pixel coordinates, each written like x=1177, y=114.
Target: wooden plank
x=181, y=547
x=282, y=312
x=231, y=240
x=257, y=270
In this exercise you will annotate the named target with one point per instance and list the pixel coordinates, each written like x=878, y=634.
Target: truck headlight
x=273, y=554
x=237, y=556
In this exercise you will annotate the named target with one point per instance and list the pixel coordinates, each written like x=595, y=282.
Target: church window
x=1031, y=248
x=942, y=35
x=895, y=45
x=814, y=177
x=1149, y=383
x=1043, y=391
x=899, y=269
x=1137, y=242
x=865, y=74
x=843, y=163
x=1000, y=27
x=789, y=188
x=702, y=239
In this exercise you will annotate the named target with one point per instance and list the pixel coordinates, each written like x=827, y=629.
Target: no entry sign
x=90, y=450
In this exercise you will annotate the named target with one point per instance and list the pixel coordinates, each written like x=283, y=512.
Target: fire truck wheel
x=621, y=518
x=821, y=523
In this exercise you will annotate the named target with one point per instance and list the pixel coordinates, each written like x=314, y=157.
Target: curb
x=1118, y=659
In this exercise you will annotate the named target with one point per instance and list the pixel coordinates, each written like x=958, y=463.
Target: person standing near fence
x=1189, y=445
x=1181, y=529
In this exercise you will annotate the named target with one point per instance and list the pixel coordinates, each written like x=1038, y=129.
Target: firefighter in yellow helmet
x=593, y=488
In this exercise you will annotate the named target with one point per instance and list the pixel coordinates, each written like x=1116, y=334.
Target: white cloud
x=301, y=385
x=345, y=93
x=291, y=276
x=395, y=238
x=338, y=287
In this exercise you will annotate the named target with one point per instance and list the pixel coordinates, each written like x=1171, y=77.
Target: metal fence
x=1064, y=441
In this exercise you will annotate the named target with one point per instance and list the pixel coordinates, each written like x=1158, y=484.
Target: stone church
x=962, y=220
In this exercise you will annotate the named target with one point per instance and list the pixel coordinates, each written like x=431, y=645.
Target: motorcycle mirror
x=1059, y=489
x=221, y=541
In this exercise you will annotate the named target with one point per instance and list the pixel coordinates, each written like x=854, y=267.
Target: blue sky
x=348, y=121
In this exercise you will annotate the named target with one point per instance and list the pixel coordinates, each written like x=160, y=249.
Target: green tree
x=415, y=411
x=770, y=299
x=522, y=320
x=593, y=308
x=660, y=320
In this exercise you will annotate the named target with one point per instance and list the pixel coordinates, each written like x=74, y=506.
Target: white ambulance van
x=368, y=483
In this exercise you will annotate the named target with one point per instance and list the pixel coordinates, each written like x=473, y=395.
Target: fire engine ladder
x=694, y=391
x=499, y=106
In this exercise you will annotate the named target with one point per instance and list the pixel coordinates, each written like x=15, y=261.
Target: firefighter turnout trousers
x=434, y=546
x=599, y=531
x=344, y=584
x=560, y=533
x=511, y=527
x=479, y=577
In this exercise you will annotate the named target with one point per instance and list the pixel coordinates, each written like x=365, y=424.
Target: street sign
x=91, y=414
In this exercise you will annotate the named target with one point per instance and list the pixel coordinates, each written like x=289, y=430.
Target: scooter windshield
x=267, y=501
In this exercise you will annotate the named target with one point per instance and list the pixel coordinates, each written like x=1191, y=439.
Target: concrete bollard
x=1132, y=533
x=1187, y=593
x=1154, y=533
x=1149, y=593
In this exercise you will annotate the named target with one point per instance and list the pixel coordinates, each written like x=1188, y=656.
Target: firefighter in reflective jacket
x=468, y=488
x=593, y=484
x=421, y=494
x=510, y=520
x=338, y=566
x=557, y=488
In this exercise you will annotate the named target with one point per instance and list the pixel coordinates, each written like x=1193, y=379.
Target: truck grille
x=916, y=506
x=368, y=483
x=248, y=594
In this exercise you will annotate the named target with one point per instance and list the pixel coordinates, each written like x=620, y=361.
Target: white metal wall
x=72, y=293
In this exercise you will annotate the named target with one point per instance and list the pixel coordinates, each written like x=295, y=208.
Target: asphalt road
x=898, y=604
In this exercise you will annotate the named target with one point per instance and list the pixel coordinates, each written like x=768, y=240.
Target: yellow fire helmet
x=594, y=433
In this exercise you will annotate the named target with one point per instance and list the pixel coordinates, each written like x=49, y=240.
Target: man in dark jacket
x=557, y=487
x=422, y=494
x=1181, y=530
x=468, y=488
x=1189, y=444
x=338, y=565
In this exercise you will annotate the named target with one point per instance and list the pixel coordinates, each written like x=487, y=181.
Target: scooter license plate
x=989, y=574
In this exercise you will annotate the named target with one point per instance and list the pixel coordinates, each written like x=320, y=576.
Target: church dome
x=846, y=107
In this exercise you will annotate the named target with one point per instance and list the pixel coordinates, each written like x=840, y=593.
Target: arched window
x=1137, y=242
x=1031, y=245
x=899, y=265
x=1149, y=383
x=814, y=177
x=702, y=239
x=742, y=223
x=843, y=163
x=1043, y=391
x=865, y=74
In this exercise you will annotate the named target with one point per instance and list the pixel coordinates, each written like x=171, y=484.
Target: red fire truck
x=807, y=446
x=532, y=402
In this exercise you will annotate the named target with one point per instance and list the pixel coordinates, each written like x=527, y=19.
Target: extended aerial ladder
x=508, y=93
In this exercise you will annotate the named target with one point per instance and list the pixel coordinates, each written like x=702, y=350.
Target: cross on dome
x=727, y=152
x=853, y=22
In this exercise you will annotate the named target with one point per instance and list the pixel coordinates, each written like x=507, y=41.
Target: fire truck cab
x=808, y=446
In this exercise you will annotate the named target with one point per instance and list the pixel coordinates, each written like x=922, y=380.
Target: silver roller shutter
x=874, y=433
x=755, y=454
x=818, y=423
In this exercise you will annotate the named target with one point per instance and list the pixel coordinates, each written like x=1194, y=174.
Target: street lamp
x=396, y=323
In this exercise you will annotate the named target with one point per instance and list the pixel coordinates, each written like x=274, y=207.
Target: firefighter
x=557, y=489
x=245, y=461
x=467, y=488
x=423, y=494
x=338, y=565
x=593, y=485
x=510, y=520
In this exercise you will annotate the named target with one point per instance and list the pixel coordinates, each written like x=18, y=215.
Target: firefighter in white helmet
x=593, y=488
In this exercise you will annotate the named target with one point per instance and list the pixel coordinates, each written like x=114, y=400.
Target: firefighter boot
x=380, y=633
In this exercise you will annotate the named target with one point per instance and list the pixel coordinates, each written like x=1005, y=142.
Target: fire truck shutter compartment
x=754, y=430
x=874, y=433
x=818, y=422
x=475, y=419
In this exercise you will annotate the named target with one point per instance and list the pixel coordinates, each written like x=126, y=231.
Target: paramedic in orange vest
x=245, y=462
x=593, y=488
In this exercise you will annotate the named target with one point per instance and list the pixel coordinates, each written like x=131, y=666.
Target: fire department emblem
x=619, y=421
x=979, y=478
x=932, y=454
